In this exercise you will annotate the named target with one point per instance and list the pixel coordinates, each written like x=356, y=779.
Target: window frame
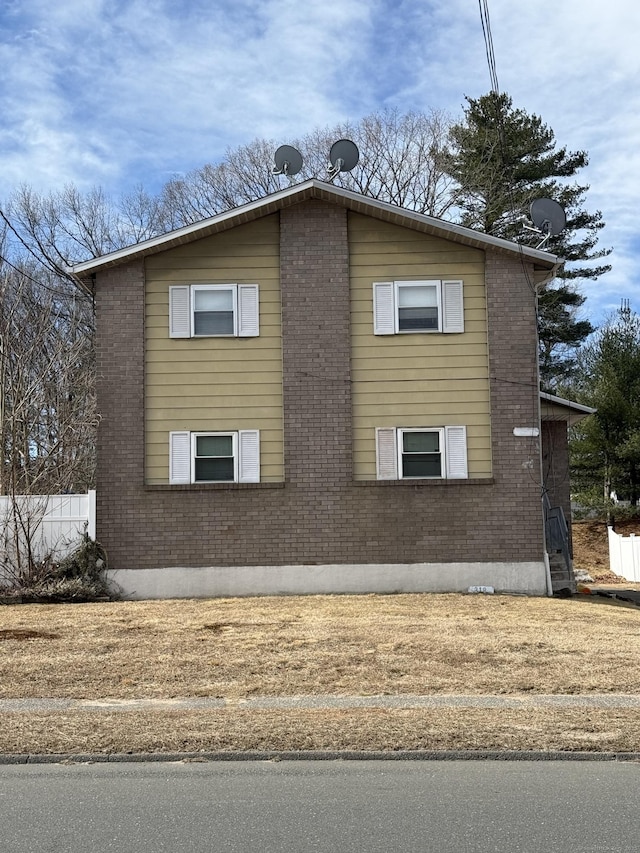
x=182, y=456
x=454, y=452
x=449, y=300
x=234, y=452
x=440, y=432
x=436, y=284
x=207, y=288
x=246, y=310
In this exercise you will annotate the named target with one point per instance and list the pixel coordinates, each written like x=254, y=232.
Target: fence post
x=615, y=556
x=91, y=514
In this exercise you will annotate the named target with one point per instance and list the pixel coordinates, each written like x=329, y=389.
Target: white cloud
x=115, y=92
x=187, y=84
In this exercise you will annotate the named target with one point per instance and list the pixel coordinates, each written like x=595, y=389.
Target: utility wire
x=488, y=43
x=56, y=290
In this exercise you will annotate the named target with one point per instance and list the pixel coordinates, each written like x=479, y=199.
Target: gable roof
x=545, y=264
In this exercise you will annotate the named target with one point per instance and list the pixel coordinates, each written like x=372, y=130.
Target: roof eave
x=545, y=264
x=575, y=412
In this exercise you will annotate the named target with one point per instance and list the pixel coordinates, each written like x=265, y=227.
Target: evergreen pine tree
x=606, y=447
x=502, y=159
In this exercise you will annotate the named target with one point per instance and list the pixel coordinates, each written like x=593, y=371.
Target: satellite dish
x=344, y=156
x=548, y=216
x=287, y=161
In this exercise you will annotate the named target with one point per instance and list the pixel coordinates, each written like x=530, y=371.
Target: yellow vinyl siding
x=215, y=384
x=413, y=380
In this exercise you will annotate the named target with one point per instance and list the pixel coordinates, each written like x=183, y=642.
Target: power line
x=56, y=290
x=488, y=43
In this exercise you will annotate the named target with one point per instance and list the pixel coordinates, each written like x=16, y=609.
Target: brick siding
x=319, y=515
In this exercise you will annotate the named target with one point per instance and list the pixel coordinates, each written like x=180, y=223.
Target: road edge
x=314, y=755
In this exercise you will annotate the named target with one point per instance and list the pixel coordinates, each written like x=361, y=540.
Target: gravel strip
x=601, y=700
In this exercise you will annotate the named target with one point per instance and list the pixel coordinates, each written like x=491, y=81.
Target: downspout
x=547, y=569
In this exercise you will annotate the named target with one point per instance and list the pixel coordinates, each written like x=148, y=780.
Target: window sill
x=426, y=483
x=209, y=487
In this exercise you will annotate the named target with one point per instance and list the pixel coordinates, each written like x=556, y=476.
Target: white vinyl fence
x=624, y=555
x=54, y=524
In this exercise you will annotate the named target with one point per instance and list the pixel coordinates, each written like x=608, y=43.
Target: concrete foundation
x=216, y=581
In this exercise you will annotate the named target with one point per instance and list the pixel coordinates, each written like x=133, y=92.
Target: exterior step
x=562, y=579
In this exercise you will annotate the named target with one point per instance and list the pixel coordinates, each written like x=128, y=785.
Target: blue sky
x=118, y=93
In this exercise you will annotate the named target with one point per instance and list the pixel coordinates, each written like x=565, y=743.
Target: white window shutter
x=249, y=456
x=386, y=454
x=384, y=308
x=179, y=312
x=452, y=306
x=248, y=311
x=456, y=452
x=179, y=457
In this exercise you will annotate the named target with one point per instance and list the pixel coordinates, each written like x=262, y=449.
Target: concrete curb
x=347, y=755
x=25, y=706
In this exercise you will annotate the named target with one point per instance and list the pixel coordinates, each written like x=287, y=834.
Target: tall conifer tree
x=502, y=159
x=606, y=447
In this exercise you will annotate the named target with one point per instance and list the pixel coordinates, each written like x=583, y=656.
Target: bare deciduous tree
x=47, y=406
x=401, y=162
x=59, y=229
x=47, y=402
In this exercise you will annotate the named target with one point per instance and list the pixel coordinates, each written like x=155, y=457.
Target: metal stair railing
x=557, y=531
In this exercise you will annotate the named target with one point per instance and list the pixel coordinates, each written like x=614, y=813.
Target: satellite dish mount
x=548, y=217
x=343, y=157
x=287, y=161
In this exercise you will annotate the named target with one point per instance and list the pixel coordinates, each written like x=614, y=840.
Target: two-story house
x=321, y=392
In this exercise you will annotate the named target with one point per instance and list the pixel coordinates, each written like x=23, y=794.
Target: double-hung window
x=214, y=457
x=421, y=453
x=419, y=308
x=401, y=307
x=213, y=310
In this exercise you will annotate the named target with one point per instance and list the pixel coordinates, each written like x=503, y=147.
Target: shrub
x=81, y=576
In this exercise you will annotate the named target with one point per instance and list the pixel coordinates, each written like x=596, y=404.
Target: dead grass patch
x=26, y=634
x=370, y=730
x=337, y=645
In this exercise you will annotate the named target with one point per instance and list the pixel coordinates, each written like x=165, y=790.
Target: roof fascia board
x=574, y=411
x=182, y=235
x=317, y=189
x=569, y=404
x=456, y=232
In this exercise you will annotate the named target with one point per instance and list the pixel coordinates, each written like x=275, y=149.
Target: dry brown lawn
x=336, y=645
x=366, y=730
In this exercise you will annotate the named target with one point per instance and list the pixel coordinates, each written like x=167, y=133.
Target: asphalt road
x=304, y=806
